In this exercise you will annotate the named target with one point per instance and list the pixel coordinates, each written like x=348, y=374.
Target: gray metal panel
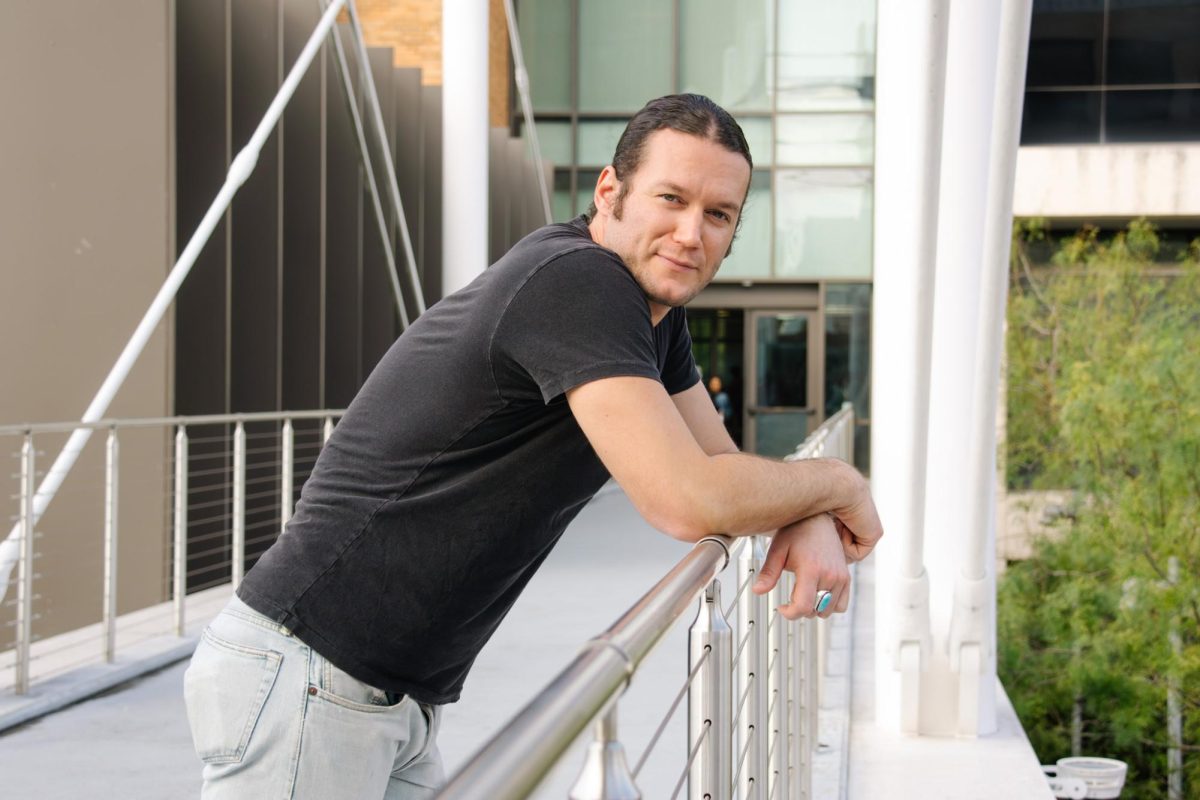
x=256, y=73
x=202, y=320
x=499, y=197
x=406, y=89
x=343, y=287
x=431, y=193
x=302, y=320
x=523, y=189
x=254, y=279
x=379, y=313
x=202, y=159
x=766, y=295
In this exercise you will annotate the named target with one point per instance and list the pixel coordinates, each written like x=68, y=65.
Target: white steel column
x=972, y=48
x=464, y=142
x=972, y=637
x=910, y=64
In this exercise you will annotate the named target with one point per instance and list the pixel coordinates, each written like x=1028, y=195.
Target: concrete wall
x=1120, y=181
x=86, y=168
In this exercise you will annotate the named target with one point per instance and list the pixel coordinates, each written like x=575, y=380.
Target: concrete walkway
x=133, y=742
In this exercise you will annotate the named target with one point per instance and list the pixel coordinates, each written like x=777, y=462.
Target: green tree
x=1104, y=399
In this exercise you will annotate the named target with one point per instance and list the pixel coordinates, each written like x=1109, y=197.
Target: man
x=478, y=437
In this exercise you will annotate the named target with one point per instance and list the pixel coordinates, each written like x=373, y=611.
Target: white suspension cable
x=389, y=167
x=522, y=79
x=385, y=239
x=239, y=171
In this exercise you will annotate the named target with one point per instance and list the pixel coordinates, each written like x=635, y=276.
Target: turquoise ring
x=824, y=598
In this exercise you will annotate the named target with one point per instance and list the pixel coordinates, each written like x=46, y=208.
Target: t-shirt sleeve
x=680, y=372
x=578, y=318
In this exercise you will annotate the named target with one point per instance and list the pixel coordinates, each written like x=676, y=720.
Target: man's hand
x=812, y=550
x=857, y=521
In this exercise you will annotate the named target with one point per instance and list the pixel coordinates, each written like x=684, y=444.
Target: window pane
x=848, y=359
x=823, y=223
x=758, y=135
x=1153, y=42
x=1065, y=42
x=1061, y=118
x=819, y=139
x=598, y=141
x=560, y=203
x=585, y=189
x=1165, y=115
x=554, y=140
x=847, y=347
x=545, y=27
x=751, y=256
x=826, y=55
x=717, y=345
x=723, y=51
x=624, y=53
x=782, y=361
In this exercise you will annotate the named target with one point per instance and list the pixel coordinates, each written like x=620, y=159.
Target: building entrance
x=781, y=402
x=786, y=357
x=760, y=368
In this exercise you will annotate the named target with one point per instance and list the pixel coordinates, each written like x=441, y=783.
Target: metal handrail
x=777, y=676
x=515, y=760
x=157, y=422
x=181, y=469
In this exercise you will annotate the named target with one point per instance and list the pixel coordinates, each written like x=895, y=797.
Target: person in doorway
x=720, y=399
x=566, y=362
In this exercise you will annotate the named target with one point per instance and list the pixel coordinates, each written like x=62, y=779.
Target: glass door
x=781, y=395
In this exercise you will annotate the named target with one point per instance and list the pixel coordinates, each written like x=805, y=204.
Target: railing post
x=238, y=556
x=709, y=699
x=111, y=454
x=605, y=774
x=25, y=569
x=326, y=431
x=181, y=515
x=287, y=474
x=753, y=616
x=777, y=691
x=802, y=744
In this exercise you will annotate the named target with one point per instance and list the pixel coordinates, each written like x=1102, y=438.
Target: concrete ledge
x=997, y=767
x=1124, y=181
x=886, y=763
x=68, y=668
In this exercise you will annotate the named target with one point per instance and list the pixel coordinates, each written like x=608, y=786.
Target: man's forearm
x=747, y=494
x=758, y=494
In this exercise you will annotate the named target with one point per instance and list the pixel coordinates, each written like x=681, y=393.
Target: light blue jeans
x=271, y=718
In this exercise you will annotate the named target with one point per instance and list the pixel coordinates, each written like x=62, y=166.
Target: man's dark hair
x=687, y=113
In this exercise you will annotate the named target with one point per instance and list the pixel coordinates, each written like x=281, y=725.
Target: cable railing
x=211, y=493
x=240, y=169
x=752, y=709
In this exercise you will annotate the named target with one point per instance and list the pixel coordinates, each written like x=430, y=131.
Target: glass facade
x=799, y=75
x=1110, y=71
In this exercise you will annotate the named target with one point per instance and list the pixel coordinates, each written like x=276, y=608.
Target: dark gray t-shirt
x=459, y=464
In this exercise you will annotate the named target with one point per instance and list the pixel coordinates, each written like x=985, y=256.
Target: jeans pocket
x=340, y=687
x=225, y=688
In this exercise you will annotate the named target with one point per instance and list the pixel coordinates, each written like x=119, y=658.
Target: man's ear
x=608, y=187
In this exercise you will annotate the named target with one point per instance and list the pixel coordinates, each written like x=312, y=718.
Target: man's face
x=677, y=219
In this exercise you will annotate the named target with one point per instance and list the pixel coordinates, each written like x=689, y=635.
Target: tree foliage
x=1104, y=399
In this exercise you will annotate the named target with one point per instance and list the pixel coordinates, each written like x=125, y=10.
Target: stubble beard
x=642, y=275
